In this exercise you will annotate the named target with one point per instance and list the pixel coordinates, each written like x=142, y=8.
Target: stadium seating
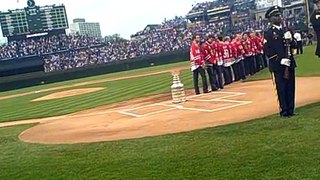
x=66, y=52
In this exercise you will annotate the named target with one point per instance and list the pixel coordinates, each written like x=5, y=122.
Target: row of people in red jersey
x=226, y=60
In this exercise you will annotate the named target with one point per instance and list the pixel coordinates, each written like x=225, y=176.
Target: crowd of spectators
x=67, y=52
x=75, y=59
x=219, y=4
x=153, y=42
x=210, y=5
x=201, y=6
x=177, y=22
x=240, y=6
x=45, y=45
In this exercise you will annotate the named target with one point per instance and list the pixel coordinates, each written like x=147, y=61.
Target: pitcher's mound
x=70, y=93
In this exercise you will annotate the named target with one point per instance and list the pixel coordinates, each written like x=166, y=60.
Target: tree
x=114, y=38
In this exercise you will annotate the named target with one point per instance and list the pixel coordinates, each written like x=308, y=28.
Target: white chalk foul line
x=223, y=97
x=157, y=112
x=219, y=92
x=232, y=106
x=147, y=114
x=195, y=109
x=218, y=109
x=141, y=107
x=219, y=100
x=131, y=114
x=231, y=101
x=230, y=96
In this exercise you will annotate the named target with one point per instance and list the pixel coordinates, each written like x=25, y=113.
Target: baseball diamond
x=228, y=91
x=136, y=120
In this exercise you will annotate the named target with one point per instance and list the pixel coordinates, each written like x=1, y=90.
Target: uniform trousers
x=286, y=92
x=220, y=84
x=212, y=72
x=227, y=74
x=202, y=73
x=235, y=69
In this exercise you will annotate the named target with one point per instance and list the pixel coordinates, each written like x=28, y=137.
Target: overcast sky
x=116, y=16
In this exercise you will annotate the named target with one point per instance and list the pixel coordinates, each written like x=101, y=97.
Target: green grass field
x=119, y=74
x=268, y=148
x=308, y=65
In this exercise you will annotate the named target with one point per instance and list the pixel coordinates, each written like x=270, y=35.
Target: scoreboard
x=33, y=19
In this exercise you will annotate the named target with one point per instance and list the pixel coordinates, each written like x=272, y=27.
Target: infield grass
x=308, y=66
x=19, y=108
x=267, y=148
x=93, y=78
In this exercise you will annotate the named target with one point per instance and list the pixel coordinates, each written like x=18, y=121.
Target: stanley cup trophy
x=177, y=89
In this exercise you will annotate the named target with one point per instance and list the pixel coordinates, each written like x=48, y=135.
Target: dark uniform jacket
x=316, y=27
x=275, y=49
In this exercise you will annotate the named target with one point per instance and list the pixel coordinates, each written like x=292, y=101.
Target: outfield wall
x=37, y=78
x=21, y=66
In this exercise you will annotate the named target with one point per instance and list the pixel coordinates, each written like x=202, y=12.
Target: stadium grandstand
x=60, y=51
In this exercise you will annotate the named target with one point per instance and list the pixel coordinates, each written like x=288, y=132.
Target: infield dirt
x=153, y=116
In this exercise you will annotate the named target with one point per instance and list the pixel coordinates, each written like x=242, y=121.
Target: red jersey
x=208, y=53
x=196, y=56
x=219, y=52
x=234, y=50
x=248, y=48
x=259, y=44
x=240, y=50
x=215, y=51
x=254, y=46
x=228, y=53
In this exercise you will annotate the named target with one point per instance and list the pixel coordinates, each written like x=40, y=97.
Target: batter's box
x=208, y=106
x=214, y=95
x=147, y=110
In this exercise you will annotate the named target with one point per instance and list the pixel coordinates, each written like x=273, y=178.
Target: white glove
x=288, y=35
x=286, y=62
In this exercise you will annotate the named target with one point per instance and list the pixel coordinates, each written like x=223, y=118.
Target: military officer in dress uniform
x=315, y=21
x=279, y=50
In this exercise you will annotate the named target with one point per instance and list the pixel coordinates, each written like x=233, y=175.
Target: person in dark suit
x=279, y=47
x=315, y=21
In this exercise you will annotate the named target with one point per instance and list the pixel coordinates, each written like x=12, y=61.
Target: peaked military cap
x=272, y=11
